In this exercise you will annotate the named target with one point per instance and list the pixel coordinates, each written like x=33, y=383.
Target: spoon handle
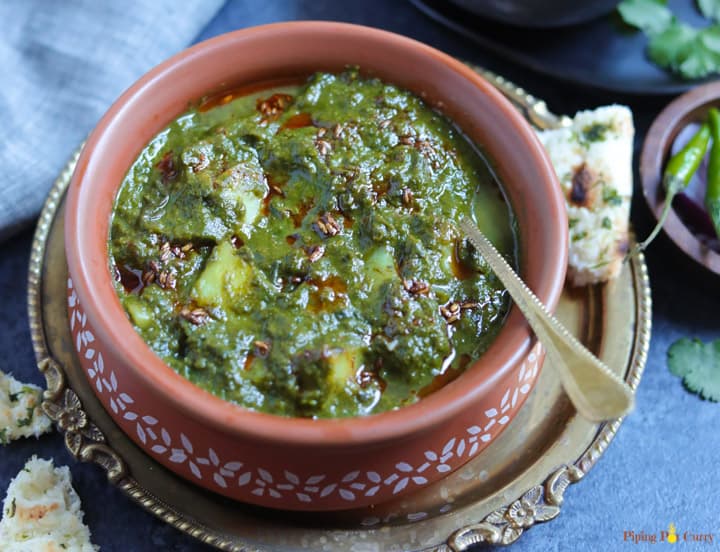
x=535, y=110
x=597, y=393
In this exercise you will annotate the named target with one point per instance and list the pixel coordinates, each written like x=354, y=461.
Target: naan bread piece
x=20, y=413
x=41, y=512
x=593, y=160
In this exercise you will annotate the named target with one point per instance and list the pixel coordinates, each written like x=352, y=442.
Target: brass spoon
x=596, y=392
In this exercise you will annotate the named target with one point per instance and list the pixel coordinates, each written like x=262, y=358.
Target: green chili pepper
x=678, y=172
x=712, y=193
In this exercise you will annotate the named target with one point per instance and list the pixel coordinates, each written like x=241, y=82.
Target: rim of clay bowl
x=91, y=203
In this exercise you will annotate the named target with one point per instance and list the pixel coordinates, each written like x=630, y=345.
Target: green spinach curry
x=294, y=250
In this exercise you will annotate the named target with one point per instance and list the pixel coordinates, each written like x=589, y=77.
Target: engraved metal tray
x=518, y=481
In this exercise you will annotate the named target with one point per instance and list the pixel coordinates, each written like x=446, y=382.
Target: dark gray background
x=662, y=466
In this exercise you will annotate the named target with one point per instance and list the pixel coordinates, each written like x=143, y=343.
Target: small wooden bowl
x=688, y=108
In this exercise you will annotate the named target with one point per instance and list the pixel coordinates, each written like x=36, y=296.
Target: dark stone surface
x=662, y=466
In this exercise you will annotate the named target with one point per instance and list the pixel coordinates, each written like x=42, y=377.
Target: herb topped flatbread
x=593, y=160
x=42, y=513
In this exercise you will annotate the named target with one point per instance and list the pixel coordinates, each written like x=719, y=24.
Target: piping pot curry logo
x=669, y=536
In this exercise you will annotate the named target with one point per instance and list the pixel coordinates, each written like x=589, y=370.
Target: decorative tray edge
x=503, y=526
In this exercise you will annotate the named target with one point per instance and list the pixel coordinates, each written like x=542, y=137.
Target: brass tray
x=518, y=481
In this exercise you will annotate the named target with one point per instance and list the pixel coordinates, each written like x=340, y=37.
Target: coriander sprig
x=687, y=51
x=698, y=364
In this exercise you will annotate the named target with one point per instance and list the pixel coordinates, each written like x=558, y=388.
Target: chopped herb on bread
x=20, y=413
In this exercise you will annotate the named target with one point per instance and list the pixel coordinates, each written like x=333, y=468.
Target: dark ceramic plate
x=602, y=53
x=538, y=13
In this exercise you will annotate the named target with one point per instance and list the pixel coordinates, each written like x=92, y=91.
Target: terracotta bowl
x=689, y=108
x=298, y=463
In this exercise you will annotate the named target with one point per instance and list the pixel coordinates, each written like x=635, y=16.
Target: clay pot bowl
x=689, y=108
x=286, y=462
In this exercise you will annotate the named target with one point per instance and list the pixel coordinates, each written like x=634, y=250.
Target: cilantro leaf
x=651, y=16
x=679, y=353
x=672, y=46
x=710, y=8
x=689, y=52
x=704, y=383
x=700, y=64
x=698, y=364
x=610, y=196
x=710, y=38
x=28, y=417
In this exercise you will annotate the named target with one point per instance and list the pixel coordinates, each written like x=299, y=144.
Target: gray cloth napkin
x=62, y=65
